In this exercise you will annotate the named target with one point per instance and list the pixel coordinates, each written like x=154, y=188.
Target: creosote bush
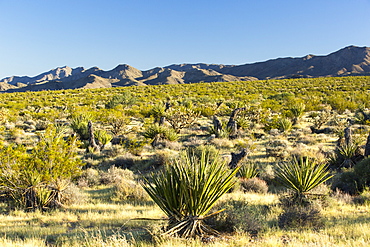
x=38, y=179
x=238, y=216
x=253, y=185
x=300, y=217
x=128, y=189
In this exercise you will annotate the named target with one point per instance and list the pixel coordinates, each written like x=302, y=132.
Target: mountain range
x=348, y=61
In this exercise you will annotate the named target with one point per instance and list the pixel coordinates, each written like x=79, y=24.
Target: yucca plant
x=347, y=153
x=248, y=171
x=158, y=133
x=221, y=133
x=79, y=125
x=187, y=190
x=103, y=137
x=302, y=175
x=297, y=111
x=284, y=124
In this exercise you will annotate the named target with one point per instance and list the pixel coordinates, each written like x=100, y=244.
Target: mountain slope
x=350, y=60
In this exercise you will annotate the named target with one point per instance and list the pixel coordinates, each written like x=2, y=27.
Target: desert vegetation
x=260, y=163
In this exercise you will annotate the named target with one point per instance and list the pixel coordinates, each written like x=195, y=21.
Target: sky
x=40, y=35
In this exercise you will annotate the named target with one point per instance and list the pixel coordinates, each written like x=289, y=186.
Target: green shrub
x=348, y=182
x=237, y=216
x=362, y=171
x=119, y=123
x=103, y=137
x=181, y=117
x=125, y=99
x=33, y=179
x=300, y=217
x=134, y=145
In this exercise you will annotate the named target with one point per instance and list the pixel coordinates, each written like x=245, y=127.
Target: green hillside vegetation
x=260, y=163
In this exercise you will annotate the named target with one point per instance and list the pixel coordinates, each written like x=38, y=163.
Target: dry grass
x=103, y=223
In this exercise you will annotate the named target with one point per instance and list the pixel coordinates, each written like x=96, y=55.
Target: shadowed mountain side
x=187, y=67
x=207, y=75
x=164, y=76
x=351, y=60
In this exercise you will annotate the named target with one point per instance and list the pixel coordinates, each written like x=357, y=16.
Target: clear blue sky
x=39, y=35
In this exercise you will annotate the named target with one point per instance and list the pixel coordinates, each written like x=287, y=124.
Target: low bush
x=253, y=185
x=134, y=145
x=89, y=177
x=238, y=216
x=300, y=217
x=114, y=175
x=158, y=133
x=128, y=189
x=36, y=179
x=347, y=182
x=278, y=148
x=362, y=171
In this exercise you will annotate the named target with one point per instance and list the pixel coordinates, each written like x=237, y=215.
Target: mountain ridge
x=350, y=60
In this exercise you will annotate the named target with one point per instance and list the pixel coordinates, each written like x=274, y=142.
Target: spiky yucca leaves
x=297, y=111
x=302, y=175
x=103, y=137
x=284, y=124
x=159, y=133
x=187, y=190
x=248, y=171
x=79, y=125
x=347, y=153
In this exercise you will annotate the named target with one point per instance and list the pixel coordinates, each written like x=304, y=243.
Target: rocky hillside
x=348, y=61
